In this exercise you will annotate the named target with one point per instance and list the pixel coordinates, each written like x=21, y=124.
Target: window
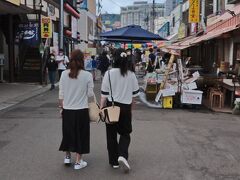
x=173, y=22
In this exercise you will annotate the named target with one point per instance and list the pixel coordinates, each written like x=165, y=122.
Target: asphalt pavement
x=179, y=144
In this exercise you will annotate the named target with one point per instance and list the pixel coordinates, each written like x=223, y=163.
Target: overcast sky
x=113, y=6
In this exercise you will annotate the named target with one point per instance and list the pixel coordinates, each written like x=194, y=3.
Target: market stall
x=172, y=85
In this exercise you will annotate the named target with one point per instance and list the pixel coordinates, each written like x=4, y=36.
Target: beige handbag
x=111, y=114
x=94, y=110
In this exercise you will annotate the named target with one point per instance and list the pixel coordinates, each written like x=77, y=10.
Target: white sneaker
x=124, y=164
x=67, y=160
x=115, y=166
x=80, y=165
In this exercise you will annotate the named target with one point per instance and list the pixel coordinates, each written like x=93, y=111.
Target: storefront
x=215, y=54
x=11, y=14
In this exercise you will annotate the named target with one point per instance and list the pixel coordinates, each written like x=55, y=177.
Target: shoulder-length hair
x=121, y=61
x=76, y=63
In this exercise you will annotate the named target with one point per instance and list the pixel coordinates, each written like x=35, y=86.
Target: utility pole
x=181, y=11
x=61, y=25
x=153, y=23
x=203, y=15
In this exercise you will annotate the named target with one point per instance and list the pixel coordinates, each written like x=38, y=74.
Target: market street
x=166, y=144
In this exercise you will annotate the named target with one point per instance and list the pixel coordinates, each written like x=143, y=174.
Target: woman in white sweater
x=75, y=86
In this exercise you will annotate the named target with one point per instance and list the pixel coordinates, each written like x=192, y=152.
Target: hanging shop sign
x=84, y=4
x=51, y=10
x=90, y=29
x=74, y=28
x=46, y=27
x=55, y=42
x=194, y=11
x=15, y=2
x=28, y=33
x=182, y=31
x=164, y=31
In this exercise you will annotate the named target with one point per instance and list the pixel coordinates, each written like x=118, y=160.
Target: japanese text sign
x=194, y=11
x=46, y=27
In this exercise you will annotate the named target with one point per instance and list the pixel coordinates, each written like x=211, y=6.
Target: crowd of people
x=155, y=59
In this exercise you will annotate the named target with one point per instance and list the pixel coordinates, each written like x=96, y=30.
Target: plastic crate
x=151, y=88
x=168, y=102
x=150, y=96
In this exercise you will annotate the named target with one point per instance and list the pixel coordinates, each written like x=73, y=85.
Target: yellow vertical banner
x=46, y=27
x=194, y=11
x=16, y=2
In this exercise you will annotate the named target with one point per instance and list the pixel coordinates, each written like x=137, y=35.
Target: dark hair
x=129, y=49
x=93, y=57
x=121, y=62
x=51, y=54
x=104, y=53
x=76, y=63
x=151, y=50
x=60, y=50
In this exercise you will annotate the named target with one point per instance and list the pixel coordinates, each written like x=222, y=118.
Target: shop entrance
x=236, y=53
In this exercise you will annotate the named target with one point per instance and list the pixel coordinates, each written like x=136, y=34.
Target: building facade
x=111, y=21
x=23, y=45
x=87, y=25
x=141, y=13
x=216, y=43
x=169, y=6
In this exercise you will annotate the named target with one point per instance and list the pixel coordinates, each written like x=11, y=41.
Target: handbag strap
x=110, y=87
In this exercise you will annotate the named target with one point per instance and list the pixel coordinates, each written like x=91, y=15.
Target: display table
x=227, y=84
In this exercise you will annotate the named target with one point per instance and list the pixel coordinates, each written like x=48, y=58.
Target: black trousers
x=60, y=73
x=115, y=148
x=123, y=128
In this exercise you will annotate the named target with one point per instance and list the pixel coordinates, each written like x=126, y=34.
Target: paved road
x=166, y=145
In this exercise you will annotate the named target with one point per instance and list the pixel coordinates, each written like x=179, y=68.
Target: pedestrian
x=88, y=64
x=152, y=56
x=151, y=61
x=51, y=68
x=94, y=67
x=62, y=62
x=124, y=87
x=75, y=86
x=104, y=62
x=158, y=59
x=131, y=60
x=144, y=59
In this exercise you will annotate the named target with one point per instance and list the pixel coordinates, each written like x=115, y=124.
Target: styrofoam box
x=191, y=97
x=168, y=92
x=192, y=85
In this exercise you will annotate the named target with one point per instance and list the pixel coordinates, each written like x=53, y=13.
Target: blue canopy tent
x=132, y=33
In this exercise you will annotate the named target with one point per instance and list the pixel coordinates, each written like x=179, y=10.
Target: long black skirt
x=76, y=131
